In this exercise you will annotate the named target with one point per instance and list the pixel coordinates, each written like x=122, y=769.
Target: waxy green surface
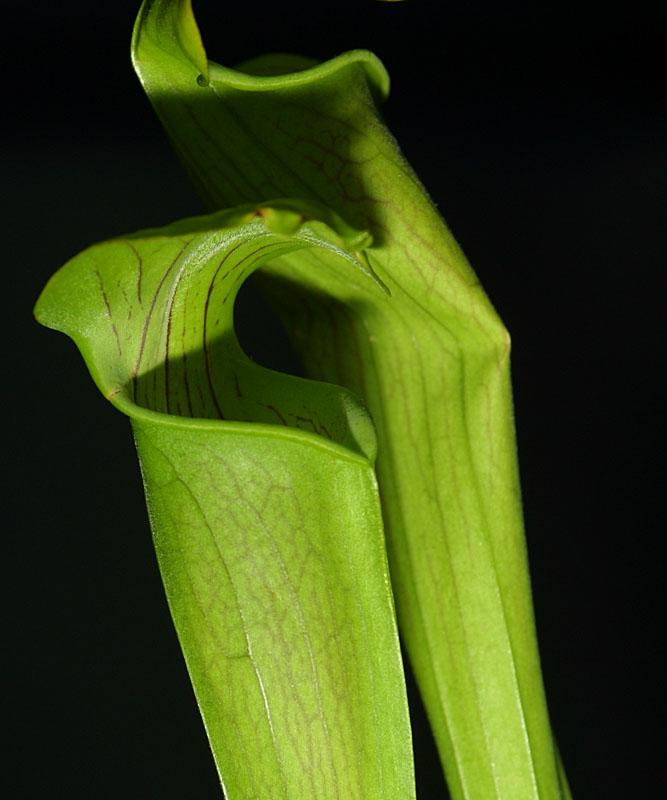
x=431, y=361
x=262, y=500
x=260, y=486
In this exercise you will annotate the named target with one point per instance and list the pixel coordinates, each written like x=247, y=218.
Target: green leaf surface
x=262, y=499
x=430, y=359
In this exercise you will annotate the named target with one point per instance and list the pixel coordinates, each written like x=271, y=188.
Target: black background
x=540, y=133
